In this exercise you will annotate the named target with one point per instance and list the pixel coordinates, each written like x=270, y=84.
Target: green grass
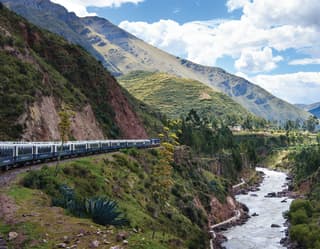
x=177, y=96
x=20, y=194
x=125, y=178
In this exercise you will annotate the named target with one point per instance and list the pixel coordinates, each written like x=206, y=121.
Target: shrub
x=300, y=233
x=298, y=217
x=105, y=212
x=42, y=179
x=301, y=204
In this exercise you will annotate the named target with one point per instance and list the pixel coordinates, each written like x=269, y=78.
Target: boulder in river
x=275, y=225
x=271, y=194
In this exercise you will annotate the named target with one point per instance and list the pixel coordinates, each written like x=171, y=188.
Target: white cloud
x=301, y=87
x=236, y=4
x=305, y=61
x=192, y=40
x=205, y=42
x=265, y=25
x=254, y=61
x=80, y=6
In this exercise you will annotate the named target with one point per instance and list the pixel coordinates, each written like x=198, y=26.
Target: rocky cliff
x=40, y=72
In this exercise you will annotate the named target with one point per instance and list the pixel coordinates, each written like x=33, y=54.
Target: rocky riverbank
x=267, y=202
x=252, y=186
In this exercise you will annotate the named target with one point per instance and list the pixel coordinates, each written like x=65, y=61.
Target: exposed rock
x=42, y=120
x=254, y=214
x=66, y=239
x=12, y=235
x=115, y=247
x=94, y=244
x=125, y=242
x=62, y=245
x=275, y=225
x=271, y=194
x=122, y=236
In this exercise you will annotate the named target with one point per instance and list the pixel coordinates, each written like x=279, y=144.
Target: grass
x=177, y=96
x=125, y=178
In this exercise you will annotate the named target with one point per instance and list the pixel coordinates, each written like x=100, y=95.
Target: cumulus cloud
x=305, y=61
x=236, y=4
x=301, y=87
x=255, y=61
x=203, y=43
x=268, y=13
x=80, y=6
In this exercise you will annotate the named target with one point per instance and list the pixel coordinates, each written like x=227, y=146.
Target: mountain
x=316, y=111
x=124, y=53
x=41, y=72
x=312, y=108
x=176, y=96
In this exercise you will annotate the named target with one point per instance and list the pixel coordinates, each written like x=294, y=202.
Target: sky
x=272, y=43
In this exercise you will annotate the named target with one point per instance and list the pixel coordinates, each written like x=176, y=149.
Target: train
x=19, y=153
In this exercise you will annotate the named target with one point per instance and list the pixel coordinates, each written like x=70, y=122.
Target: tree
x=65, y=116
x=311, y=123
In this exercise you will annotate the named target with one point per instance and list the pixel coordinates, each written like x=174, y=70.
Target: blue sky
x=272, y=43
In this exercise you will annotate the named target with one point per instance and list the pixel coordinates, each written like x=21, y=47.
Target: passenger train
x=19, y=153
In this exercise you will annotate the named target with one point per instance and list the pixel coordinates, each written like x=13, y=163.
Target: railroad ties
x=3, y=243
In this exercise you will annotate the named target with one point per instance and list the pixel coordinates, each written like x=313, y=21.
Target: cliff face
x=41, y=72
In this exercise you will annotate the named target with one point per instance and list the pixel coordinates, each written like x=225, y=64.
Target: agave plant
x=105, y=212
x=69, y=200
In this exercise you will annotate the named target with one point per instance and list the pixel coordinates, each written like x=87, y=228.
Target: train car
x=7, y=153
x=18, y=153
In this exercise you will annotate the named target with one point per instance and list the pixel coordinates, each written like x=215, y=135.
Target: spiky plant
x=105, y=212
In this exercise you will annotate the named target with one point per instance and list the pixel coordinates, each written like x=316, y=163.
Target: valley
x=71, y=87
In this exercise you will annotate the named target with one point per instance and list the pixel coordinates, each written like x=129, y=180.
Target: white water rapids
x=257, y=232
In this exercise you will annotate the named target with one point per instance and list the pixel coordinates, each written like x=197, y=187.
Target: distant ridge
x=123, y=53
x=312, y=108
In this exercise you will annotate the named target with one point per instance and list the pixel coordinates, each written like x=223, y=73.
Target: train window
x=6, y=151
x=44, y=149
x=24, y=150
x=66, y=147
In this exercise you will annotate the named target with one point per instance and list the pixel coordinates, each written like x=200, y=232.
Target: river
x=257, y=232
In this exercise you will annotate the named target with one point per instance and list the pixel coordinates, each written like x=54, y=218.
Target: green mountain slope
x=177, y=96
x=40, y=72
x=124, y=53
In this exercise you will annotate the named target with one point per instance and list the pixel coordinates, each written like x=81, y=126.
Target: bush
x=300, y=233
x=42, y=179
x=301, y=204
x=298, y=217
x=306, y=235
x=104, y=212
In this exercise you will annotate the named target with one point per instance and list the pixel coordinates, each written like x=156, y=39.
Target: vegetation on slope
x=37, y=63
x=128, y=178
x=177, y=96
x=301, y=157
x=304, y=214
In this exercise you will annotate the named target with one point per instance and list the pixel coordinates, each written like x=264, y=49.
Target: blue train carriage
x=15, y=153
x=7, y=154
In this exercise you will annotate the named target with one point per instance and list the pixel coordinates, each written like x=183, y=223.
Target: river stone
x=275, y=225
